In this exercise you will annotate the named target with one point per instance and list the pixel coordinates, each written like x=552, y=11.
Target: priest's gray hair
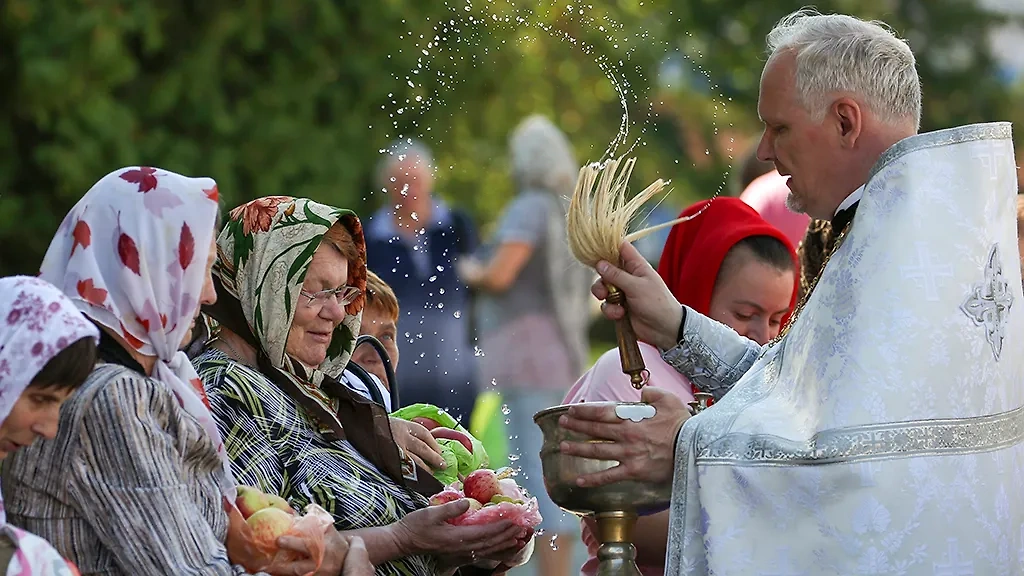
x=541, y=157
x=839, y=53
x=402, y=150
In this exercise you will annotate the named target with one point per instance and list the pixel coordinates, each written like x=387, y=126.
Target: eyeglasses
x=344, y=295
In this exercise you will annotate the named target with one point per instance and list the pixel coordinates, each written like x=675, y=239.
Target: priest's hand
x=645, y=450
x=654, y=311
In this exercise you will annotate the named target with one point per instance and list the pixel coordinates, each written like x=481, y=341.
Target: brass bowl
x=561, y=471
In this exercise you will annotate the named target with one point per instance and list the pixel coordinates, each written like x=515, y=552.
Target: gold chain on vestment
x=810, y=290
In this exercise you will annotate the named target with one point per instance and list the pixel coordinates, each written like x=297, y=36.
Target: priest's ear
x=849, y=120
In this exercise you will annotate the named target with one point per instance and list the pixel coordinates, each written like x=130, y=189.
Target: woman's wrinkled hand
x=239, y=546
x=242, y=551
x=416, y=441
x=343, y=554
x=427, y=531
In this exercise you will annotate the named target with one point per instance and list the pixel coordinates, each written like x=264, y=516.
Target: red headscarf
x=695, y=249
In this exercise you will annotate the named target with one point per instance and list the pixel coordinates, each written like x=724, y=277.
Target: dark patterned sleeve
x=129, y=473
x=250, y=424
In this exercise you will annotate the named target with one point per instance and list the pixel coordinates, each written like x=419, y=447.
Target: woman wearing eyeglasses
x=290, y=275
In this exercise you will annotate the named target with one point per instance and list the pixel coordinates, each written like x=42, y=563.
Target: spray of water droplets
x=456, y=41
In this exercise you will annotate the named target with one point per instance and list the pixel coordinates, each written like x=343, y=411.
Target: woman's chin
x=313, y=356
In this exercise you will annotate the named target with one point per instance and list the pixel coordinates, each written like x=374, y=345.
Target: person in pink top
x=767, y=194
x=729, y=264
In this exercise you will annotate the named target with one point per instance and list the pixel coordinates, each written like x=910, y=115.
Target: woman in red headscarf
x=729, y=264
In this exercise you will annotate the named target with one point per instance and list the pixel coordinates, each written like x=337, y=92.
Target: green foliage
x=297, y=98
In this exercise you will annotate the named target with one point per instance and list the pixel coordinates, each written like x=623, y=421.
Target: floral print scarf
x=131, y=255
x=263, y=255
x=38, y=323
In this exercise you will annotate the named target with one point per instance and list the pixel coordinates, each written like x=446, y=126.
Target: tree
x=299, y=97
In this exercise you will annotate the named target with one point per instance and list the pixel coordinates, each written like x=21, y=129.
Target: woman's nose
x=333, y=310
x=757, y=330
x=47, y=425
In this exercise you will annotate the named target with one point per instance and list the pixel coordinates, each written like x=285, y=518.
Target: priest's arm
x=712, y=355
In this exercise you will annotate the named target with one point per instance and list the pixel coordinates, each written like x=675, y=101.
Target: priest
x=883, y=431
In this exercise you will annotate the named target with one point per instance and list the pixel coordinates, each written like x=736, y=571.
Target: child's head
x=380, y=320
x=47, y=349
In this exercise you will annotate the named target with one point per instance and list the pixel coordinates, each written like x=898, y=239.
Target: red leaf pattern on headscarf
x=129, y=253
x=145, y=177
x=82, y=236
x=212, y=194
x=91, y=294
x=131, y=340
x=197, y=384
x=186, y=246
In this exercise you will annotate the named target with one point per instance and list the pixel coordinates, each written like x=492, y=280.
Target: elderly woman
x=47, y=348
x=136, y=479
x=291, y=278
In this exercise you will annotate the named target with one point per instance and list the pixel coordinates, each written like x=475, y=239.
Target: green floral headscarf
x=263, y=255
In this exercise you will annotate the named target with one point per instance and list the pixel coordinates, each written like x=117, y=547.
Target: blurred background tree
x=299, y=98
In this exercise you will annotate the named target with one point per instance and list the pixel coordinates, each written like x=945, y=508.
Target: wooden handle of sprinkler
x=629, y=348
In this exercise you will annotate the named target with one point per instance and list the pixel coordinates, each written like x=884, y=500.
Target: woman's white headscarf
x=37, y=322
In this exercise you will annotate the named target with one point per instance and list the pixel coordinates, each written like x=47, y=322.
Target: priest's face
x=801, y=147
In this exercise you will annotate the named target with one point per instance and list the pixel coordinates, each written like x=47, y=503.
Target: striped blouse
x=276, y=446
x=128, y=486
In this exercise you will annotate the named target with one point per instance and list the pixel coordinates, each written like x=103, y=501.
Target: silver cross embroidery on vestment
x=989, y=302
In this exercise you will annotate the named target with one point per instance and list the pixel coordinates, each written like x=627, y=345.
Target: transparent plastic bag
x=255, y=555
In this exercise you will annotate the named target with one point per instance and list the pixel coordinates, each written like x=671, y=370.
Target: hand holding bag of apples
x=462, y=452
x=258, y=520
x=493, y=496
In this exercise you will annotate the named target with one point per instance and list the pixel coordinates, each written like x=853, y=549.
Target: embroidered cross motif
x=954, y=565
x=926, y=272
x=989, y=302
x=991, y=156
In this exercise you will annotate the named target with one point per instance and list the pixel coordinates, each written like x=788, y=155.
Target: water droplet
x=432, y=279
x=457, y=314
x=505, y=409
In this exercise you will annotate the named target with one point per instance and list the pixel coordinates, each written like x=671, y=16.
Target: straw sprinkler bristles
x=598, y=219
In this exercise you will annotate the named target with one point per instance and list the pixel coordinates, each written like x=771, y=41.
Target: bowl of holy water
x=562, y=470
x=614, y=507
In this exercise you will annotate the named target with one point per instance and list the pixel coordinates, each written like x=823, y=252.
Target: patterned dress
x=274, y=445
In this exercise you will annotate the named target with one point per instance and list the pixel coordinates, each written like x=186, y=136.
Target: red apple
x=268, y=525
x=250, y=501
x=450, y=434
x=444, y=496
x=428, y=423
x=481, y=485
